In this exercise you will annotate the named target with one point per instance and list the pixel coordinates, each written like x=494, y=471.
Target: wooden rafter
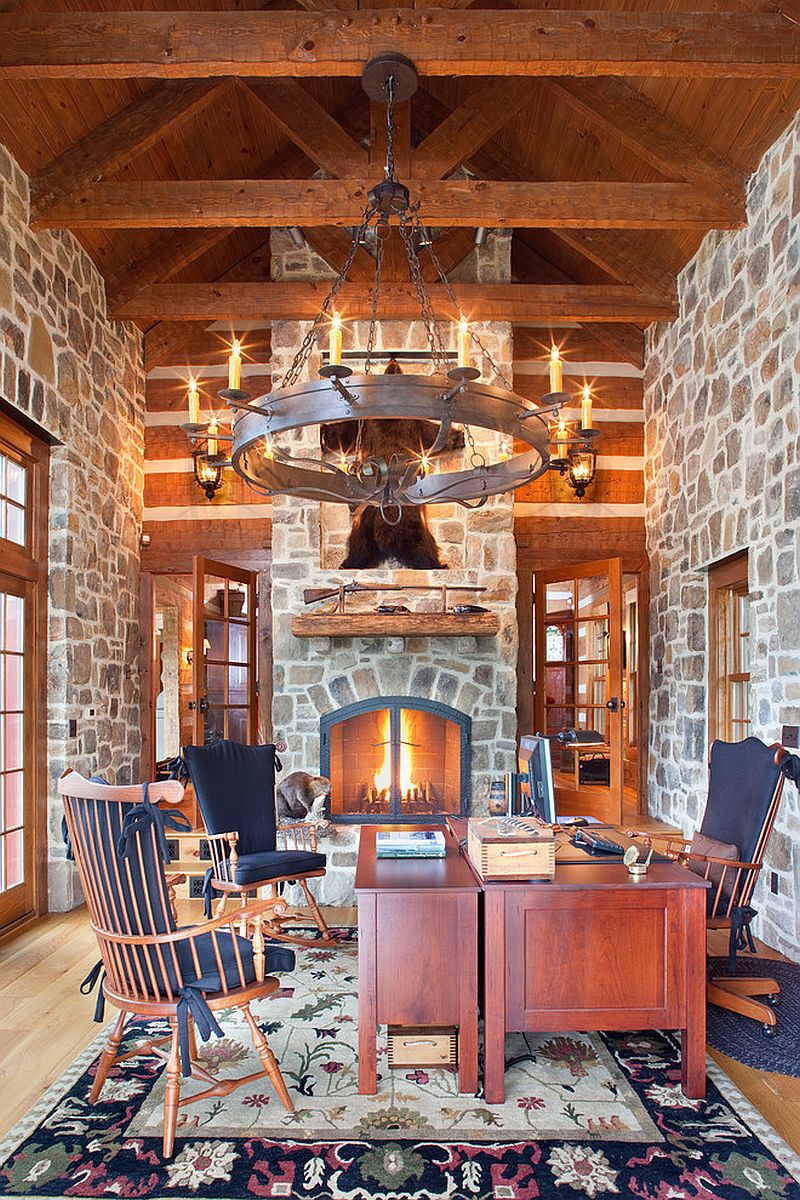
x=241, y=202
x=301, y=301
x=462, y=132
x=627, y=115
x=497, y=42
x=310, y=126
x=120, y=138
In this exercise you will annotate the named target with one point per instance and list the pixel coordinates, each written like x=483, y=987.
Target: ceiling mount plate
x=381, y=68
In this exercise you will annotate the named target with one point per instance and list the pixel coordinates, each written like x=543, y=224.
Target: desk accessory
x=593, y=843
x=511, y=848
x=410, y=843
x=636, y=867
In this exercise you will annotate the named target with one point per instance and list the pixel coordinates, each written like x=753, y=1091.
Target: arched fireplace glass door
x=396, y=758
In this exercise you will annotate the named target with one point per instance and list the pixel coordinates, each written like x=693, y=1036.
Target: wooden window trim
x=724, y=580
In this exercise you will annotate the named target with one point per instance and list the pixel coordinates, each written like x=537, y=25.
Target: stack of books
x=410, y=843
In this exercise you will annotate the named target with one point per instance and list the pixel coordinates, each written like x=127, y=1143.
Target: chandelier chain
x=373, y=316
x=389, y=168
x=407, y=233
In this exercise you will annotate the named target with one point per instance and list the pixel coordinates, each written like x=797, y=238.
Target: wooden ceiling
x=609, y=139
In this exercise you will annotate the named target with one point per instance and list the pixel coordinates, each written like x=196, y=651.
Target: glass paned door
x=16, y=844
x=224, y=653
x=578, y=683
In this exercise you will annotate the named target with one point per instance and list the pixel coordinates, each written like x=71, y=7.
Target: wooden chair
x=745, y=784
x=150, y=967
x=235, y=789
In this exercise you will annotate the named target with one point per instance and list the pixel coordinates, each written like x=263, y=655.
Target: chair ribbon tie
x=88, y=985
x=191, y=1001
x=208, y=892
x=142, y=817
x=740, y=936
x=790, y=766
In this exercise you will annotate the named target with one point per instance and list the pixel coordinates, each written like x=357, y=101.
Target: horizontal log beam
x=150, y=204
x=485, y=302
x=105, y=45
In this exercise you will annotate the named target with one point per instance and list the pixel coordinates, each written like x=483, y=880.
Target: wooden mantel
x=413, y=624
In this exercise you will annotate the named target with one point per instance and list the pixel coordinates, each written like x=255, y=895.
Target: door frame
x=209, y=566
x=28, y=566
x=631, y=565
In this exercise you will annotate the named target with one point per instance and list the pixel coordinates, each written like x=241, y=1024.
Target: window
x=729, y=644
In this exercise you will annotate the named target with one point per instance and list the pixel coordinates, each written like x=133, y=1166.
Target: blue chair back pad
x=235, y=788
x=741, y=789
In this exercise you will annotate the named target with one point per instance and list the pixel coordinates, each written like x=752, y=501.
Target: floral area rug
x=585, y=1115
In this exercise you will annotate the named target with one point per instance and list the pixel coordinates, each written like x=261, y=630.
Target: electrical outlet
x=90, y=714
x=773, y=882
x=790, y=738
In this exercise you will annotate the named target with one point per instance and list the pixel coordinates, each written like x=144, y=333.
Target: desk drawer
x=426, y=1046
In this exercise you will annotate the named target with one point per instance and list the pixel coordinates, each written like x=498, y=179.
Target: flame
x=382, y=779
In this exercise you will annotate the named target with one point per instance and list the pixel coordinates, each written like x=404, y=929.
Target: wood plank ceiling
x=609, y=140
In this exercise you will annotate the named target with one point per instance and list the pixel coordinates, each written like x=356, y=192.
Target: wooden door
x=578, y=660
x=23, y=679
x=224, y=670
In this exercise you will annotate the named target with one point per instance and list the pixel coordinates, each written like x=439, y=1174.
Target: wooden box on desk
x=499, y=850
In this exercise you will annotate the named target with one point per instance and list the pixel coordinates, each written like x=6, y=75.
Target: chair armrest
x=224, y=855
x=163, y=944
x=672, y=845
x=299, y=836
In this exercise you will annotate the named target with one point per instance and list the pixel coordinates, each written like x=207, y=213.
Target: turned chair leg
x=316, y=911
x=220, y=909
x=192, y=1039
x=108, y=1056
x=268, y=1060
x=172, y=1092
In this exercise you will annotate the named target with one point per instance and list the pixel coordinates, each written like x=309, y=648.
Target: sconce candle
x=213, y=431
x=463, y=342
x=556, y=371
x=235, y=366
x=193, y=400
x=335, y=341
x=586, y=407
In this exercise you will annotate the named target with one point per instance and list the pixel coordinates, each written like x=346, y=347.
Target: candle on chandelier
x=556, y=371
x=235, y=366
x=335, y=341
x=562, y=433
x=463, y=342
x=586, y=407
x=193, y=400
x=212, y=444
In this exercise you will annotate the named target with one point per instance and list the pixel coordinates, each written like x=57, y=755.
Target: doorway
x=24, y=463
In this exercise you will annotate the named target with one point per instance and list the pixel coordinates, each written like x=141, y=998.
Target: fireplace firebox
x=396, y=758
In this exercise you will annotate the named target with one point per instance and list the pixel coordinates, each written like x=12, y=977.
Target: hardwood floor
x=46, y=1022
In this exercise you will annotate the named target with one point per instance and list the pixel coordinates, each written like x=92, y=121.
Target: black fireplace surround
x=396, y=758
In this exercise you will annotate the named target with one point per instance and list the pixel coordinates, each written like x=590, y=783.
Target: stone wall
x=723, y=475
x=80, y=378
x=312, y=677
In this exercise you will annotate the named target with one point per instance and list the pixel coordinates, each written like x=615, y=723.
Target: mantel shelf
x=413, y=624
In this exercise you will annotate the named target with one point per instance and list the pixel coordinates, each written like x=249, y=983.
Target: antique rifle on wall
x=313, y=595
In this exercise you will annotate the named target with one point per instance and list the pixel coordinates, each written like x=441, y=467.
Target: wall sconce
x=576, y=456
x=208, y=471
x=581, y=468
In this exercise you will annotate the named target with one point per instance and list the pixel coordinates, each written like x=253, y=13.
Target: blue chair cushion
x=276, y=959
x=277, y=864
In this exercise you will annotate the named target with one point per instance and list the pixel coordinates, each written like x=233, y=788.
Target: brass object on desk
x=511, y=848
x=636, y=867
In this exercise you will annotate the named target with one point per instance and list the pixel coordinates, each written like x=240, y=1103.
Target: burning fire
x=382, y=778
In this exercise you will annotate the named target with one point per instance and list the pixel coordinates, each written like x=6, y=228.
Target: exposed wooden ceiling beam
x=469, y=127
x=613, y=251
x=675, y=152
x=122, y=137
x=302, y=301
x=310, y=126
x=477, y=42
x=240, y=202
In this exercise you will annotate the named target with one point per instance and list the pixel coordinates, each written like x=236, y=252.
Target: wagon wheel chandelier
x=451, y=397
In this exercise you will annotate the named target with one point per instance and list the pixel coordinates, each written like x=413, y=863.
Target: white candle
x=586, y=407
x=212, y=446
x=335, y=341
x=556, y=371
x=193, y=398
x=463, y=343
x=235, y=366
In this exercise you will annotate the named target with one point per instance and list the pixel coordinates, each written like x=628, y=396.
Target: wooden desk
x=594, y=949
x=417, y=950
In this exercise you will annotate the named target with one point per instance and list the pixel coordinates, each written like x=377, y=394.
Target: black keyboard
x=593, y=843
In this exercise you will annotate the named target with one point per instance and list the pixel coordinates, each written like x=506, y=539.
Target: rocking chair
x=150, y=968
x=235, y=789
x=745, y=784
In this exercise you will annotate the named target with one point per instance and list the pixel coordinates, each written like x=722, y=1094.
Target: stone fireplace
x=396, y=758
x=333, y=693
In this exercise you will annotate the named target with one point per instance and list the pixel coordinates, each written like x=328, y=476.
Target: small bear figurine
x=302, y=797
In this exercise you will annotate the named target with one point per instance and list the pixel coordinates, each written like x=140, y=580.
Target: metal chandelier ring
x=376, y=397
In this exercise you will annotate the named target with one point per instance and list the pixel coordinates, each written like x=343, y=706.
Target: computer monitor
x=536, y=777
